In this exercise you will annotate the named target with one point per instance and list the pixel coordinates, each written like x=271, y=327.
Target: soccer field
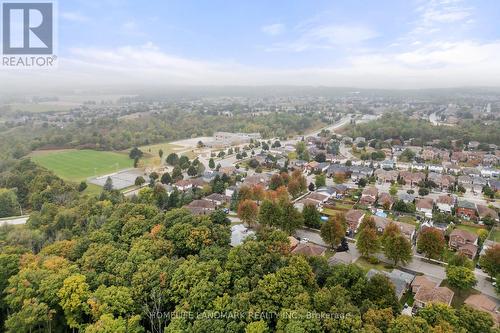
x=78, y=165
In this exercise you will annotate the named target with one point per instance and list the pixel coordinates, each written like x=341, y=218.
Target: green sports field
x=78, y=165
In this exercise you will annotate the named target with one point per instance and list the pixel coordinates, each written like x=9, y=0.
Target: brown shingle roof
x=309, y=249
x=468, y=236
x=436, y=294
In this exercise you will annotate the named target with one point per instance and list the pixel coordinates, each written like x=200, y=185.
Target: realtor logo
x=28, y=34
x=27, y=28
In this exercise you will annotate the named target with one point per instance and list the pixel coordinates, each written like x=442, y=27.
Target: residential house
x=401, y=280
x=385, y=200
x=230, y=191
x=257, y=179
x=445, y=203
x=229, y=170
x=489, y=173
x=201, y=207
x=218, y=199
x=484, y=303
x=358, y=172
x=309, y=250
x=408, y=230
x=337, y=170
x=369, y=196
x=354, y=218
x=386, y=176
x=412, y=178
x=427, y=292
x=387, y=164
x=485, y=212
x=183, y=184
x=406, y=197
x=425, y=205
x=436, y=168
x=465, y=242
x=466, y=210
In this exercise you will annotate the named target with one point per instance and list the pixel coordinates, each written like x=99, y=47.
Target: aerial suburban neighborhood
x=250, y=166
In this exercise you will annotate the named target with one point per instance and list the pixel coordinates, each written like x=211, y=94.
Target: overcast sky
x=367, y=44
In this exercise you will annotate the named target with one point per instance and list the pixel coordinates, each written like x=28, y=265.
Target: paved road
x=16, y=220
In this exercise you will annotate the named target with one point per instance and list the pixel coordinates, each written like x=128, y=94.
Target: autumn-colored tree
x=460, y=277
x=248, y=212
x=258, y=193
x=368, y=242
x=73, y=297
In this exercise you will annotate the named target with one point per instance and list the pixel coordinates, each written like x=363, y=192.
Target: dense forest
x=111, y=264
x=399, y=126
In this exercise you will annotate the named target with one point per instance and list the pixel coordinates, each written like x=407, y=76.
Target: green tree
x=460, y=277
x=160, y=153
x=407, y=324
x=135, y=153
x=320, y=180
x=108, y=185
x=177, y=174
x=396, y=246
x=166, y=179
x=368, y=242
x=172, y=159
x=9, y=206
x=312, y=217
x=211, y=163
x=431, y=242
x=82, y=186
x=192, y=171
x=473, y=320
x=73, y=297
x=139, y=181
x=334, y=230
x=490, y=260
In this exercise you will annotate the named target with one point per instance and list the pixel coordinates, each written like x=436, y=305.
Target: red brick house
x=463, y=241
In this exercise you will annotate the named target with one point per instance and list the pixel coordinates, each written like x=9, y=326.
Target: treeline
x=109, y=264
x=119, y=134
x=398, y=126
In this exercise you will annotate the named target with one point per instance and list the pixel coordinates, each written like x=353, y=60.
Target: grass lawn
x=469, y=228
x=151, y=151
x=366, y=266
x=92, y=189
x=495, y=235
x=408, y=219
x=460, y=296
x=78, y=165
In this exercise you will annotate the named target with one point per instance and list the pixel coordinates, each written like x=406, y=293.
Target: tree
x=462, y=278
x=73, y=297
x=165, y=178
x=248, y=212
x=311, y=187
x=368, y=242
x=407, y=324
x=334, y=230
x=312, y=217
x=82, y=186
x=211, y=163
x=172, y=159
x=362, y=182
x=397, y=248
x=474, y=320
x=431, y=242
x=320, y=158
x=160, y=153
x=192, y=171
x=177, y=173
x=423, y=191
x=320, y=180
x=393, y=190
x=139, y=181
x=490, y=260
x=135, y=153
x=9, y=206
x=108, y=185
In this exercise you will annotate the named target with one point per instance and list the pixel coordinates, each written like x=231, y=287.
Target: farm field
x=78, y=165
